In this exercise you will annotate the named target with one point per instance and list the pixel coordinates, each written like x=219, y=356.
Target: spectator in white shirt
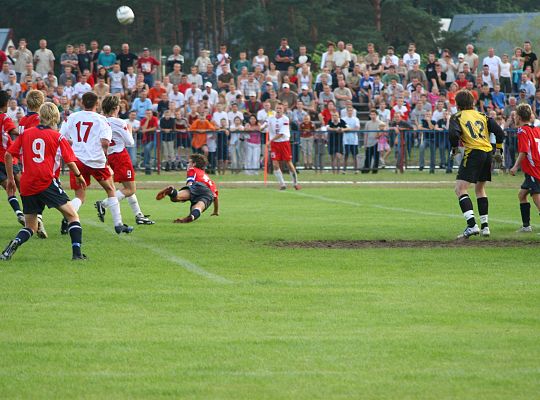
x=81, y=87
x=494, y=63
x=410, y=57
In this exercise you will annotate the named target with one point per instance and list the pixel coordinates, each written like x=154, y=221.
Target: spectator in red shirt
x=184, y=85
x=147, y=65
x=155, y=93
x=149, y=125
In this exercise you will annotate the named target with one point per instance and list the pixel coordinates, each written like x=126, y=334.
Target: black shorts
x=3, y=173
x=52, y=197
x=475, y=166
x=531, y=184
x=351, y=149
x=335, y=143
x=183, y=141
x=200, y=192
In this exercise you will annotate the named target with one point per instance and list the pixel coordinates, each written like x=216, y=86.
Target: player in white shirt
x=120, y=162
x=280, y=145
x=90, y=136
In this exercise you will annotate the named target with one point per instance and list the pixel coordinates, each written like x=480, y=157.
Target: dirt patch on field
x=393, y=244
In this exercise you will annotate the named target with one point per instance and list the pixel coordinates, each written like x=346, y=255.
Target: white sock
x=105, y=202
x=76, y=203
x=119, y=195
x=483, y=219
x=279, y=176
x=294, y=177
x=134, y=204
x=114, y=206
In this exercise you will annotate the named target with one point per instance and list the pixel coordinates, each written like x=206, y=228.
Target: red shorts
x=122, y=166
x=281, y=151
x=99, y=174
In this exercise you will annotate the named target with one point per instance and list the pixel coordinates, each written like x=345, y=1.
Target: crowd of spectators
x=218, y=105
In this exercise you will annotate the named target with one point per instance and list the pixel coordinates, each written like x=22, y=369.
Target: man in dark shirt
x=168, y=138
x=284, y=57
x=84, y=58
x=126, y=58
x=336, y=127
x=430, y=70
x=529, y=57
x=401, y=130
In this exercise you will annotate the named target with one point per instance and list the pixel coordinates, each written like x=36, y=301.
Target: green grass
x=212, y=310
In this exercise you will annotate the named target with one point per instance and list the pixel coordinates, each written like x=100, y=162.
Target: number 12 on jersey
x=87, y=126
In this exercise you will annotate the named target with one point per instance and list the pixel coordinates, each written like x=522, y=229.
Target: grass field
x=215, y=310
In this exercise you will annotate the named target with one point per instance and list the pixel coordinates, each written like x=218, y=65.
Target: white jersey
x=86, y=129
x=121, y=135
x=279, y=126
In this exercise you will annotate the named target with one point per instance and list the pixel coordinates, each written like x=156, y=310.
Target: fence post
x=158, y=151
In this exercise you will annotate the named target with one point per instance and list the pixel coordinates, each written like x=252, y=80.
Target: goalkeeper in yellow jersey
x=472, y=129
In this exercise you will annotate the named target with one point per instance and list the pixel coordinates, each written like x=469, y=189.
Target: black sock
x=483, y=206
x=195, y=213
x=173, y=194
x=525, y=209
x=466, y=206
x=14, y=203
x=23, y=235
x=75, y=232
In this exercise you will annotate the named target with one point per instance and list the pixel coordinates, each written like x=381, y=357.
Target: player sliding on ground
x=529, y=160
x=473, y=129
x=120, y=162
x=90, y=135
x=200, y=190
x=7, y=129
x=38, y=147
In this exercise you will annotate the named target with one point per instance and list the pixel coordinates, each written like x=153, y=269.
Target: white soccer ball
x=125, y=15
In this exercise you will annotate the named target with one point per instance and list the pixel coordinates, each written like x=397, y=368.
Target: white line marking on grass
x=397, y=209
x=186, y=264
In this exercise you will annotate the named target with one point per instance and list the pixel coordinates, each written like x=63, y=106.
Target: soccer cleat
x=20, y=218
x=123, y=229
x=485, y=232
x=101, y=210
x=10, y=250
x=283, y=187
x=64, y=227
x=143, y=220
x=41, y=232
x=469, y=231
x=525, y=229
x=79, y=258
x=165, y=192
x=185, y=220
x=297, y=187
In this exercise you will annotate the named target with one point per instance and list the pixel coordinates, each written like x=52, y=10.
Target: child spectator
x=383, y=147
x=307, y=141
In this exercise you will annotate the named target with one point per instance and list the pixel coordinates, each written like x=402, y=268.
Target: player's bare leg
x=483, y=207
x=114, y=206
x=196, y=210
x=279, y=175
x=466, y=206
x=294, y=175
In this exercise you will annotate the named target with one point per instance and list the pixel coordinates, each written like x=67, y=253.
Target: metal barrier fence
x=360, y=151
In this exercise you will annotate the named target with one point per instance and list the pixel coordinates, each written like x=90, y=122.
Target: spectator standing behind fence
x=335, y=128
x=253, y=146
x=199, y=129
x=371, y=160
x=350, y=138
x=149, y=126
x=400, y=128
x=168, y=138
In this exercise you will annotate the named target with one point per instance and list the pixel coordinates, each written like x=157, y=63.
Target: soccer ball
x=125, y=15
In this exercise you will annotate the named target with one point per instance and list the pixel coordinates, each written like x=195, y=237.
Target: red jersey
x=39, y=153
x=198, y=175
x=529, y=143
x=152, y=123
x=30, y=120
x=6, y=126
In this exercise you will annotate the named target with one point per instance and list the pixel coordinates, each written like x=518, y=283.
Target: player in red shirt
x=529, y=159
x=200, y=190
x=38, y=148
x=7, y=129
x=34, y=100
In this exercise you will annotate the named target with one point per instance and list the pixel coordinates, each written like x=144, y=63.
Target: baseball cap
x=208, y=84
x=12, y=73
x=461, y=55
x=252, y=94
x=523, y=90
x=285, y=85
x=145, y=49
x=270, y=83
x=305, y=87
